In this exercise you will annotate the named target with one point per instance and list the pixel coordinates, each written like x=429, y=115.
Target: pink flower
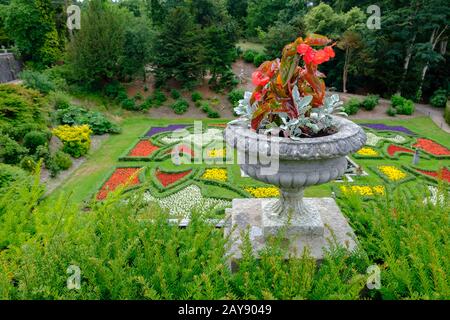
x=257, y=95
x=260, y=79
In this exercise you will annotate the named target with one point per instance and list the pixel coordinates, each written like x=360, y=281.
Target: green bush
x=352, y=106
x=42, y=153
x=113, y=89
x=34, y=139
x=10, y=151
x=37, y=80
x=196, y=96
x=259, y=58
x=129, y=104
x=59, y=100
x=147, y=104
x=402, y=105
x=138, y=97
x=249, y=56
x=10, y=174
x=236, y=95
x=28, y=164
x=391, y=111
x=58, y=162
x=439, y=98
x=447, y=112
x=122, y=96
x=175, y=94
x=158, y=98
x=210, y=113
x=370, y=102
x=78, y=116
x=397, y=100
x=180, y=106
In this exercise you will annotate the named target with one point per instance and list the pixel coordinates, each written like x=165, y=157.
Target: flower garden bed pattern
x=169, y=178
x=120, y=176
x=431, y=147
x=393, y=150
x=443, y=174
x=143, y=148
x=384, y=127
x=155, y=130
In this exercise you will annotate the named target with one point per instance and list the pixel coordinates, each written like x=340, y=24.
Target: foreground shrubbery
x=124, y=255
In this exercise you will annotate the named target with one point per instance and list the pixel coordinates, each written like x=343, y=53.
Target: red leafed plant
x=120, y=176
x=170, y=178
x=143, y=148
x=393, y=149
x=282, y=86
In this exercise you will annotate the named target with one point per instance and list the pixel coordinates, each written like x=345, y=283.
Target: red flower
x=443, y=174
x=392, y=150
x=170, y=178
x=432, y=147
x=143, y=148
x=303, y=48
x=259, y=78
x=320, y=57
x=257, y=95
x=329, y=51
x=120, y=177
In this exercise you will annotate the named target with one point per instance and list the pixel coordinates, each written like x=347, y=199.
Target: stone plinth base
x=248, y=214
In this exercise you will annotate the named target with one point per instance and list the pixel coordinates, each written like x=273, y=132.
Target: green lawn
x=87, y=179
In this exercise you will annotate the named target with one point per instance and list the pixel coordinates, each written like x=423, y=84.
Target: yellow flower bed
x=215, y=174
x=263, y=192
x=216, y=153
x=368, y=152
x=393, y=173
x=363, y=190
x=76, y=139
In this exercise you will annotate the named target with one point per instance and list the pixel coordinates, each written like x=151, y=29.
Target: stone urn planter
x=293, y=165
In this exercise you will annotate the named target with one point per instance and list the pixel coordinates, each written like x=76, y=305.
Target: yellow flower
x=215, y=174
x=393, y=173
x=216, y=153
x=366, y=151
x=263, y=192
x=363, y=190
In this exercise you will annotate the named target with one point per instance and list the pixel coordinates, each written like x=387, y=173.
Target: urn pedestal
x=293, y=165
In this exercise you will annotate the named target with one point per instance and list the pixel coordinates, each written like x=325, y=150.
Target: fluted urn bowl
x=293, y=165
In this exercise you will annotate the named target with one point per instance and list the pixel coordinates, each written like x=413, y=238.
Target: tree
x=178, y=49
x=32, y=26
x=261, y=14
x=97, y=50
x=350, y=41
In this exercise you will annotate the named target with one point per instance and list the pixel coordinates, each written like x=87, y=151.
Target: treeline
x=187, y=40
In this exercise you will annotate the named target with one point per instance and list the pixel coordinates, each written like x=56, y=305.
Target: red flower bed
x=143, y=148
x=120, y=177
x=441, y=174
x=170, y=178
x=432, y=147
x=393, y=149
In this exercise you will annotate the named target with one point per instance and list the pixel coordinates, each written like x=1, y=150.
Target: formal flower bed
x=120, y=176
x=181, y=149
x=384, y=127
x=368, y=152
x=373, y=139
x=143, y=148
x=431, y=147
x=263, y=192
x=392, y=150
x=392, y=173
x=217, y=174
x=200, y=139
x=363, y=190
x=189, y=199
x=443, y=174
x=167, y=179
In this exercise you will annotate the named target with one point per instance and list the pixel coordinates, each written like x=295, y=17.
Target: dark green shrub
x=175, y=94
x=10, y=174
x=370, y=102
x=145, y=88
x=249, y=56
x=236, y=95
x=213, y=114
x=42, y=152
x=147, y=104
x=37, y=80
x=10, y=151
x=62, y=160
x=158, y=98
x=447, y=112
x=259, y=58
x=28, y=164
x=34, y=139
x=352, y=106
x=397, y=100
x=439, y=98
x=59, y=100
x=121, y=96
x=138, y=97
x=78, y=116
x=129, y=104
x=113, y=89
x=196, y=96
x=391, y=111
x=180, y=106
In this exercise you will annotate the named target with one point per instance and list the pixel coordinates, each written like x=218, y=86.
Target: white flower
x=373, y=139
x=434, y=196
x=200, y=139
x=183, y=202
